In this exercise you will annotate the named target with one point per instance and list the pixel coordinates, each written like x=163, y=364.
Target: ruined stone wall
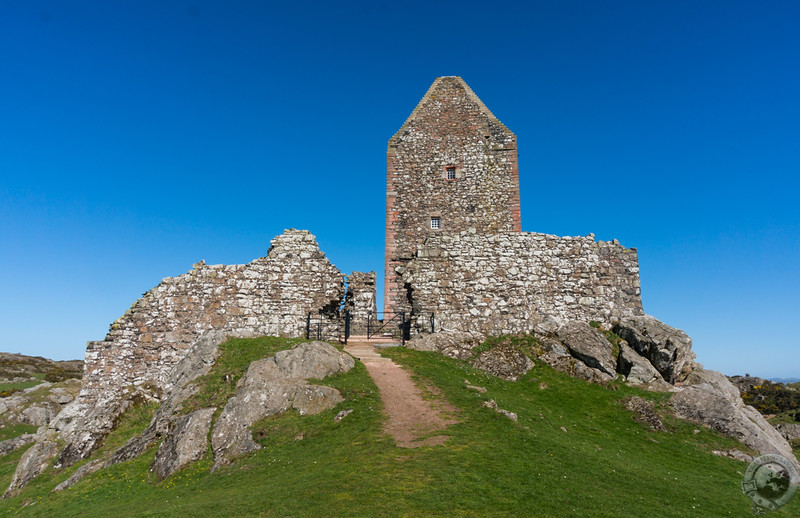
x=269, y=296
x=450, y=128
x=504, y=282
x=360, y=300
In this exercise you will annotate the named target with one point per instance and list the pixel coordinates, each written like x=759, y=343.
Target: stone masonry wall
x=269, y=296
x=360, y=300
x=503, y=283
x=449, y=128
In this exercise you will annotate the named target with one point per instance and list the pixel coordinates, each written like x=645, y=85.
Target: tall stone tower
x=452, y=167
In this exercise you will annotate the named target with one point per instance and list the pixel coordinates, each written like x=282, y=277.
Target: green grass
x=605, y=464
x=15, y=430
x=8, y=389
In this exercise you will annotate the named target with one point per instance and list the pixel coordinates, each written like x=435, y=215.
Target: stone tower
x=452, y=167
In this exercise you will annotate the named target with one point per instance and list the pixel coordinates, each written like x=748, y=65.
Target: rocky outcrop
x=454, y=344
x=588, y=345
x=39, y=415
x=83, y=429
x=86, y=469
x=746, y=383
x=669, y=350
x=33, y=462
x=185, y=442
x=39, y=404
x=577, y=348
x=504, y=362
x=790, y=431
x=15, y=443
x=639, y=371
x=710, y=399
x=272, y=386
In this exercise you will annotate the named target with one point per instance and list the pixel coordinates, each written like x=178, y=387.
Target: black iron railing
x=397, y=326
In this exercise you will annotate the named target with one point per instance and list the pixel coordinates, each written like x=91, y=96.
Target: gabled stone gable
x=450, y=127
x=505, y=282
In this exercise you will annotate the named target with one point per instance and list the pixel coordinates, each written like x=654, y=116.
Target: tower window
x=451, y=172
x=436, y=223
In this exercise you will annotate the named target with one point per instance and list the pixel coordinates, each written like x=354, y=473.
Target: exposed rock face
x=507, y=283
x=712, y=400
x=504, y=362
x=573, y=347
x=272, y=386
x=39, y=404
x=790, y=431
x=186, y=442
x=39, y=415
x=83, y=427
x=454, y=344
x=589, y=346
x=197, y=363
x=638, y=370
x=746, y=383
x=32, y=463
x=315, y=360
x=14, y=443
x=668, y=349
x=86, y=469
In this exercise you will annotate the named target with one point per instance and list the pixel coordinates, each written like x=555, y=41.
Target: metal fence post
x=346, y=326
x=433, y=322
x=308, y=325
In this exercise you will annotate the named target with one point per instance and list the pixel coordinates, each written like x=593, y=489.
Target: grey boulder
x=504, y=362
x=639, y=371
x=33, y=462
x=15, y=443
x=790, y=431
x=668, y=349
x=454, y=344
x=273, y=385
x=590, y=346
x=37, y=415
x=712, y=400
x=186, y=441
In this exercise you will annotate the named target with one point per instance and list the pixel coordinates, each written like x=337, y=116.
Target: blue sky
x=139, y=137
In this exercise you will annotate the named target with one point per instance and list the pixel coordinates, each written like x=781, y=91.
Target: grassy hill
x=575, y=451
x=18, y=371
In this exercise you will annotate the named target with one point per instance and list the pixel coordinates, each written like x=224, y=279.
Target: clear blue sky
x=139, y=137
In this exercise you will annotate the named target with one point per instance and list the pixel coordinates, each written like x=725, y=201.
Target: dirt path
x=413, y=421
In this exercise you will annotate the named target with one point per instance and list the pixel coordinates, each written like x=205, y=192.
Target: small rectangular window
x=435, y=223
x=451, y=173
